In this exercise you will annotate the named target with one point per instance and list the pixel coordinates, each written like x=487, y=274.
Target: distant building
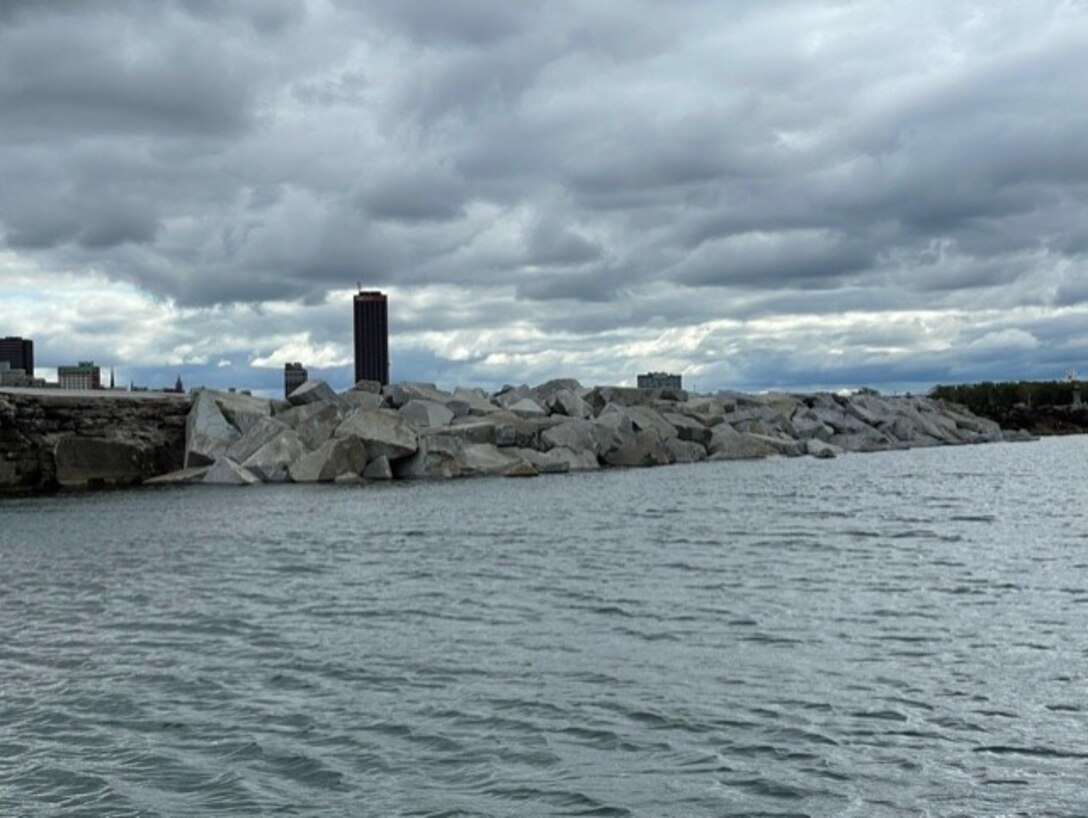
x=659, y=380
x=85, y=375
x=19, y=353
x=294, y=375
x=371, y=337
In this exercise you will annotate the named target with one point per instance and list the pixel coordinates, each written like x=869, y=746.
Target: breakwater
x=51, y=439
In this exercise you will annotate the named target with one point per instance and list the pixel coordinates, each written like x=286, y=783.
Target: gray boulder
x=470, y=402
x=208, y=434
x=378, y=469
x=566, y=402
x=321, y=425
x=427, y=412
x=382, y=431
x=742, y=446
x=399, y=394
x=647, y=448
x=334, y=457
x=179, y=477
x=581, y=435
x=316, y=391
x=264, y=432
x=527, y=408
x=688, y=428
x=352, y=400
x=242, y=411
x=225, y=472
x=271, y=461
x=470, y=429
x=371, y=387
x=685, y=451
x=817, y=448
x=437, y=456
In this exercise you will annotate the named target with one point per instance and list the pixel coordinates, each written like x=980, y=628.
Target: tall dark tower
x=371, y=337
x=19, y=352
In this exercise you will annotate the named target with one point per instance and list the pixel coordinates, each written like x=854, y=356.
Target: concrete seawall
x=52, y=439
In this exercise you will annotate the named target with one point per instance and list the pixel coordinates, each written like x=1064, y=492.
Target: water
x=891, y=634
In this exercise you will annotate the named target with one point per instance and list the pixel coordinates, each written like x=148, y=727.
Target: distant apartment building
x=84, y=375
x=371, y=337
x=294, y=375
x=19, y=354
x=659, y=380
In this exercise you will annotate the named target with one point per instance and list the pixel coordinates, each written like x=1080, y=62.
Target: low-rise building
x=84, y=375
x=659, y=380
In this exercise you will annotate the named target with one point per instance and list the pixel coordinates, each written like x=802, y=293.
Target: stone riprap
x=416, y=430
x=51, y=439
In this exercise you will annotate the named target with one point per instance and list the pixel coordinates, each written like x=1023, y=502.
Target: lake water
x=879, y=635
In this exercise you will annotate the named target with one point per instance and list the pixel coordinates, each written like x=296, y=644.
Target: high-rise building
x=19, y=352
x=85, y=375
x=371, y=337
x=659, y=380
x=294, y=375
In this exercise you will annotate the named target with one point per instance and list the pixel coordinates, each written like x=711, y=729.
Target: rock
x=333, y=458
x=471, y=430
x=566, y=402
x=521, y=469
x=552, y=461
x=581, y=435
x=437, y=456
x=470, y=402
x=646, y=417
x=240, y=410
x=208, y=434
x=350, y=401
x=399, y=394
x=348, y=477
x=481, y=459
x=646, y=449
x=781, y=445
x=321, y=425
x=685, y=451
x=427, y=412
x=179, y=477
x=264, y=432
x=722, y=435
x=382, y=431
x=83, y=462
x=817, y=448
x=688, y=428
x=316, y=391
x=870, y=441
x=226, y=472
x=742, y=446
x=616, y=417
x=378, y=469
x=292, y=416
x=367, y=387
x=547, y=393
x=271, y=461
x=527, y=408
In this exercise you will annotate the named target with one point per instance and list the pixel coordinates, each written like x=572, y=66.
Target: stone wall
x=51, y=439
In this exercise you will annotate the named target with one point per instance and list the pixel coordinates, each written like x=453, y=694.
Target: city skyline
x=750, y=195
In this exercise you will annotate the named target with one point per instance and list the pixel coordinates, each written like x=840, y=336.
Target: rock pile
x=415, y=430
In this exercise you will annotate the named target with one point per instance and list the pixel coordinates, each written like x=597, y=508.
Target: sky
x=756, y=195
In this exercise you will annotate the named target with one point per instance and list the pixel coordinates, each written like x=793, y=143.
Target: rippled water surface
x=891, y=634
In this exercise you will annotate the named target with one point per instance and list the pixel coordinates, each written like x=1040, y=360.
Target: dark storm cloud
x=603, y=168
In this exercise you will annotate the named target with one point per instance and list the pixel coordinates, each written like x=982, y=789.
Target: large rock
x=685, y=451
x=359, y=399
x=382, y=431
x=179, y=477
x=226, y=472
x=321, y=425
x=437, y=456
x=90, y=461
x=742, y=446
x=527, y=408
x=427, y=412
x=470, y=402
x=316, y=391
x=470, y=429
x=208, y=434
x=399, y=394
x=688, y=428
x=333, y=458
x=241, y=410
x=378, y=469
x=261, y=434
x=569, y=403
x=581, y=435
x=271, y=461
x=647, y=448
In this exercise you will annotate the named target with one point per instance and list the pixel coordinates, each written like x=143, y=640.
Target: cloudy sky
x=755, y=193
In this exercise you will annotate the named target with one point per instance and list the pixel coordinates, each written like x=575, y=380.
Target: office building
x=294, y=375
x=659, y=380
x=19, y=353
x=85, y=375
x=371, y=337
